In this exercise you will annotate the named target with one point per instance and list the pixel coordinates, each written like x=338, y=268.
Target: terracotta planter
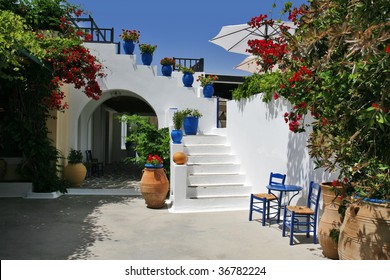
x=154, y=187
x=330, y=220
x=75, y=174
x=365, y=232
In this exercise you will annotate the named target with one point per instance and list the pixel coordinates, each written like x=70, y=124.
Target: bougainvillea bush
x=335, y=68
x=40, y=51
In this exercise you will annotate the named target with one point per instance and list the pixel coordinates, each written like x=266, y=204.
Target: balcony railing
x=196, y=64
x=99, y=35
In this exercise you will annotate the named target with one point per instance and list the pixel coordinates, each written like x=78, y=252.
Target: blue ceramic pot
x=208, y=91
x=176, y=136
x=191, y=125
x=188, y=79
x=147, y=58
x=149, y=165
x=166, y=70
x=128, y=47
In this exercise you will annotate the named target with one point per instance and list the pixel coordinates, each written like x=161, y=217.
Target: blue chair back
x=313, y=200
x=277, y=179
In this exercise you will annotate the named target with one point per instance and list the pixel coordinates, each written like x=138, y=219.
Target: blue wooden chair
x=264, y=202
x=303, y=219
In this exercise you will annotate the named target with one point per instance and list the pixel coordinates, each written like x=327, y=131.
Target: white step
x=203, y=139
x=218, y=159
x=201, y=149
x=213, y=204
x=212, y=179
x=213, y=168
x=218, y=190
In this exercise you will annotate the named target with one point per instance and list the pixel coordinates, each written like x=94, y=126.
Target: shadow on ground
x=49, y=229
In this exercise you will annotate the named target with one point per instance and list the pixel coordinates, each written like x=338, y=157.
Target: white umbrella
x=234, y=38
x=249, y=64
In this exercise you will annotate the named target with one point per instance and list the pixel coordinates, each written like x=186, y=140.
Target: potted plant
x=154, y=182
x=207, y=83
x=191, y=121
x=188, y=75
x=177, y=133
x=147, y=51
x=129, y=37
x=339, y=77
x=75, y=171
x=167, y=63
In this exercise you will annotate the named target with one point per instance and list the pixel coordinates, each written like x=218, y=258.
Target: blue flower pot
x=191, y=125
x=177, y=136
x=188, y=79
x=128, y=47
x=149, y=165
x=147, y=58
x=208, y=91
x=166, y=70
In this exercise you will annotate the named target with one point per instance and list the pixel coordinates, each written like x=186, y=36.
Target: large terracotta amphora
x=154, y=186
x=365, y=232
x=330, y=221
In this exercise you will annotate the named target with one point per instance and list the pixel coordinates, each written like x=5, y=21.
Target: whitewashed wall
x=261, y=139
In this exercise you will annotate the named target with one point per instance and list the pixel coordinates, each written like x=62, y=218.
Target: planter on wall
x=190, y=125
x=147, y=58
x=365, y=232
x=208, y=91
x=128, y=47
x=166, y=70
x=188, y=79
x=177, y=136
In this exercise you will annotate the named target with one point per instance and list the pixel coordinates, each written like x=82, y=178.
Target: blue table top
x=284, y=188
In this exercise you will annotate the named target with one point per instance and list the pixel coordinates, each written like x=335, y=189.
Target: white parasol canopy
x=234, y=38
x=249, y=64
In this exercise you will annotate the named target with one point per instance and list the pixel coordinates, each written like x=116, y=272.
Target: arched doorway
x=100, y=128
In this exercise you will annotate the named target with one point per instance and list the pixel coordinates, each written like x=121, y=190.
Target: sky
x=182, y=28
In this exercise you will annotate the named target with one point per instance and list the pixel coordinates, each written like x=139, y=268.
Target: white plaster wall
x=263, y=143
x=127, y=78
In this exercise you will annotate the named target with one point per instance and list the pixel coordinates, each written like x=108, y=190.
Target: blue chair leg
x=264, y=210
x=308, y=226
x=284, y=223
x=250, y=208
x=292, y=227
x=315, y=232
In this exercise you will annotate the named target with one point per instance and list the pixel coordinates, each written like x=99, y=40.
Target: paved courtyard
x=89, y=227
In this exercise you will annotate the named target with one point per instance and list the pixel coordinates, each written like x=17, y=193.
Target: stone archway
x=99, y=128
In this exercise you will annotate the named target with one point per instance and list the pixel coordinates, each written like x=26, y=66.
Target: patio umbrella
x=234, y=38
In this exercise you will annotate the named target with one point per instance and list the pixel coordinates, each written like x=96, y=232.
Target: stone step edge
x=221, y=196
x=218, y=185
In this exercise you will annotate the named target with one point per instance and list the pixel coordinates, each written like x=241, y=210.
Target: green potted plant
x=207, y=83
x=340, y=77
x=191, y=121
x=129, y=37
x=75, y=171
x=188, y=75
x=177, y=133
x=147, y=51
x=167, y=63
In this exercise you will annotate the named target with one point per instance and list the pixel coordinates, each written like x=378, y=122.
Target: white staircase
x=214, y=178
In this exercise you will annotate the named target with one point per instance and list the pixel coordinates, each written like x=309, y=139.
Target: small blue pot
x=128, y=47
x=190, y=125
x=166, y=70
x=188, y=79
x=208, y=91
x=147, y=58
x=177, y=136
